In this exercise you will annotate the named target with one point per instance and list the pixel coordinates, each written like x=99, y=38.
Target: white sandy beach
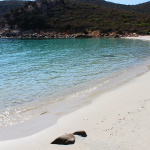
x=144, y=38
x=117, y=119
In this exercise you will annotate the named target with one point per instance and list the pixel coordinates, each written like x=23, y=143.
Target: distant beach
x=117, y=118
x=144, y=38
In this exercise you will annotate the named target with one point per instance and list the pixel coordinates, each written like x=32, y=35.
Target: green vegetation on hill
x=6, y=6
x=75, y=17
x=142, y=8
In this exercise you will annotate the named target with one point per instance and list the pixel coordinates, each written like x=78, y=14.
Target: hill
x=74, y=17
x=6, y=6
x=142, y=8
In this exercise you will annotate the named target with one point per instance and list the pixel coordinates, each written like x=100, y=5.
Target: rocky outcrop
x=82, y=36
x=7, y=32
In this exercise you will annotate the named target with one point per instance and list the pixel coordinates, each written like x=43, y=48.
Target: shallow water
x=37, y=76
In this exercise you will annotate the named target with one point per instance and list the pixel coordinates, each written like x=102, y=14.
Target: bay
x=35, y=72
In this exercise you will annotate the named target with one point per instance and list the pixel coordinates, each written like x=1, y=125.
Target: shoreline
x=77, y=36
x=104, y=120
x=30, y=34
x=53, y=112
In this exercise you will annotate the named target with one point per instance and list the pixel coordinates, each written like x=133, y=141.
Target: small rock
x=65, y=139
x=80, y=133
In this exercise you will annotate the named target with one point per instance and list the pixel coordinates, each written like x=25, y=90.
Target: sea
x=57, y=76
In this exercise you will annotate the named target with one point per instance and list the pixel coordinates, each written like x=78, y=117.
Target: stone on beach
x=65, y=139
x=80, y=133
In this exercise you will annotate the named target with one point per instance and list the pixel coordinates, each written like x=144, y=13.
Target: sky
x=128, y=2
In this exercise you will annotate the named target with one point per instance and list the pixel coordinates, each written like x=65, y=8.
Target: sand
x=144, y=38
x=117, y=119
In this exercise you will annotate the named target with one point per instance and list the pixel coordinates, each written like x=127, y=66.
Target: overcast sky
x=128, y=2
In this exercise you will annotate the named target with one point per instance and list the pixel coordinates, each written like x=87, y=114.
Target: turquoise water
x=33, y=72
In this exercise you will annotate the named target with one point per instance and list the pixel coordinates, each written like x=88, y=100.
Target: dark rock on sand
x=65, y=139
x=80, y=133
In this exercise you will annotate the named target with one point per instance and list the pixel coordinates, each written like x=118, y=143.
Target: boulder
x=80, y=133
x=65, y=139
